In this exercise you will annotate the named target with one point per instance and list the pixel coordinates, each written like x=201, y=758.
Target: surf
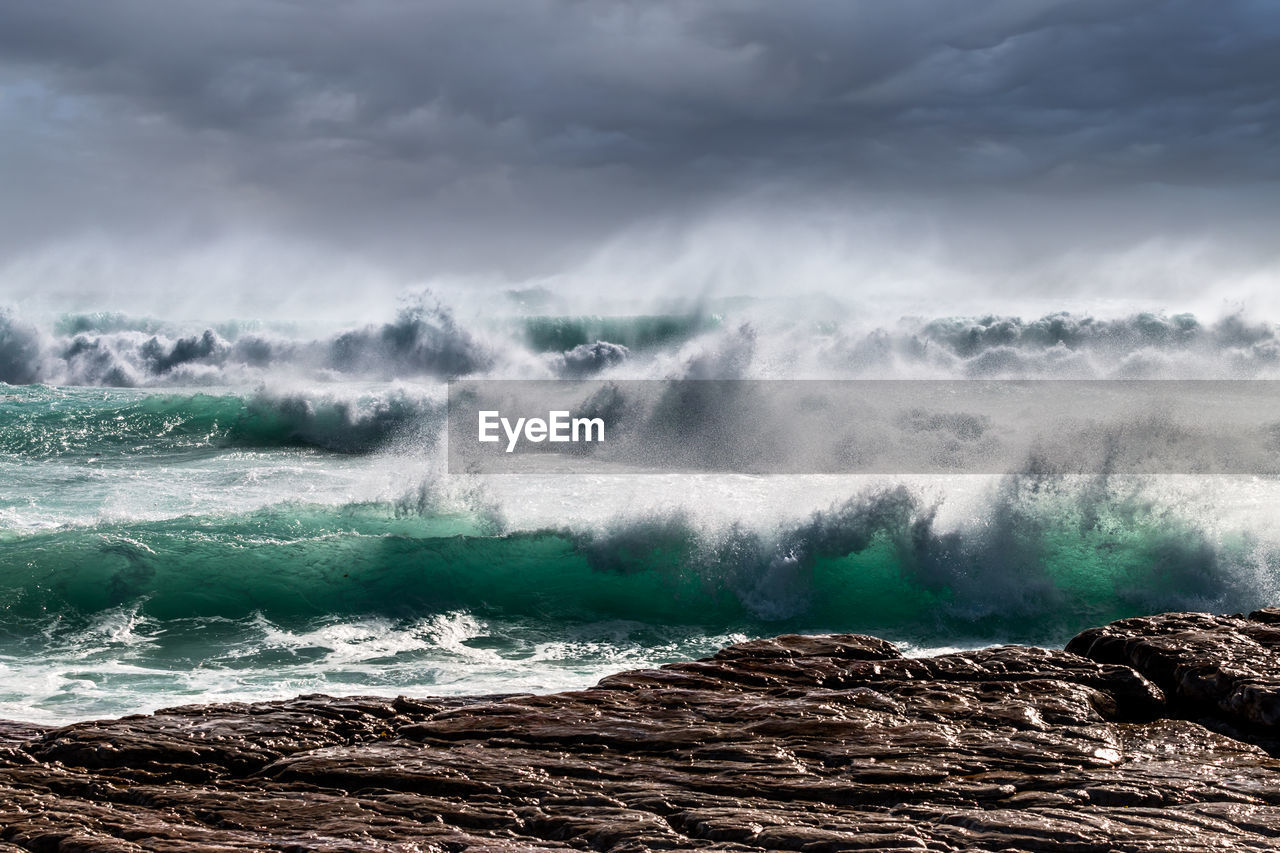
x=1042, y=563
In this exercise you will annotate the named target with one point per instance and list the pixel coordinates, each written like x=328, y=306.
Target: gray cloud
x=488, y=135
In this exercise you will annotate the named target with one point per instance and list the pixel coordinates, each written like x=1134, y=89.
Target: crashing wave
x=422, y=341
x=429, y=341
x=42, y=422
x=1047, y=557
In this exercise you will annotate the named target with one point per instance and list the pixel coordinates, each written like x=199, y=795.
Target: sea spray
x=42, y=422
x=267, y=512
x=1042, y=561
x=428, y=339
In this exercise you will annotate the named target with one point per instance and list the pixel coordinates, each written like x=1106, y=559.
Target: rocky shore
x=1147, y=734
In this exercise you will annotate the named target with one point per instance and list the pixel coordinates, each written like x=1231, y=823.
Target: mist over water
x=518, y=336
x=243, y=249
x=259, y=508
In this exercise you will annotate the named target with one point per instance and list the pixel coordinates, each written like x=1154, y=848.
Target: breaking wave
x=40, y=422
x=428, y=340
x=107, y=350
x=1045, y=559
x=211, y=510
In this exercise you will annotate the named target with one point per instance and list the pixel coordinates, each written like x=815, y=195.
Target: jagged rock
x=1145, y=735
x=1217, y=665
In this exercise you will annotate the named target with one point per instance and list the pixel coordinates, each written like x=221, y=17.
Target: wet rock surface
x=1147, y=734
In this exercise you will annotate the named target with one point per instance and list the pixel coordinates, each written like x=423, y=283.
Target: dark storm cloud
x=418, y=124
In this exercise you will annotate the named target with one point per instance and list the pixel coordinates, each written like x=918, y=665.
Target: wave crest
x=426, y=340
x=1045, y=560
x=41, y=423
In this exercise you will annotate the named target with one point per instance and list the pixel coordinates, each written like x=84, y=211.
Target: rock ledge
x=1147, y=734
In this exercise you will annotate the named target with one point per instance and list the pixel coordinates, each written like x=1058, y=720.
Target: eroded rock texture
x=1148, y=734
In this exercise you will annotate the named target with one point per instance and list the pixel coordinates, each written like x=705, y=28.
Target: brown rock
x=796, y=743
x=1227, y=666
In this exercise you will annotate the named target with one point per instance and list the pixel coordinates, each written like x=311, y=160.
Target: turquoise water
x=259, y=531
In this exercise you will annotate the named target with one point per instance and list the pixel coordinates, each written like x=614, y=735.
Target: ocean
x=247, y=510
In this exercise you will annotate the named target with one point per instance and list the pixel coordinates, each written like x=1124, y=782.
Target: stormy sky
x=1068, y=148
